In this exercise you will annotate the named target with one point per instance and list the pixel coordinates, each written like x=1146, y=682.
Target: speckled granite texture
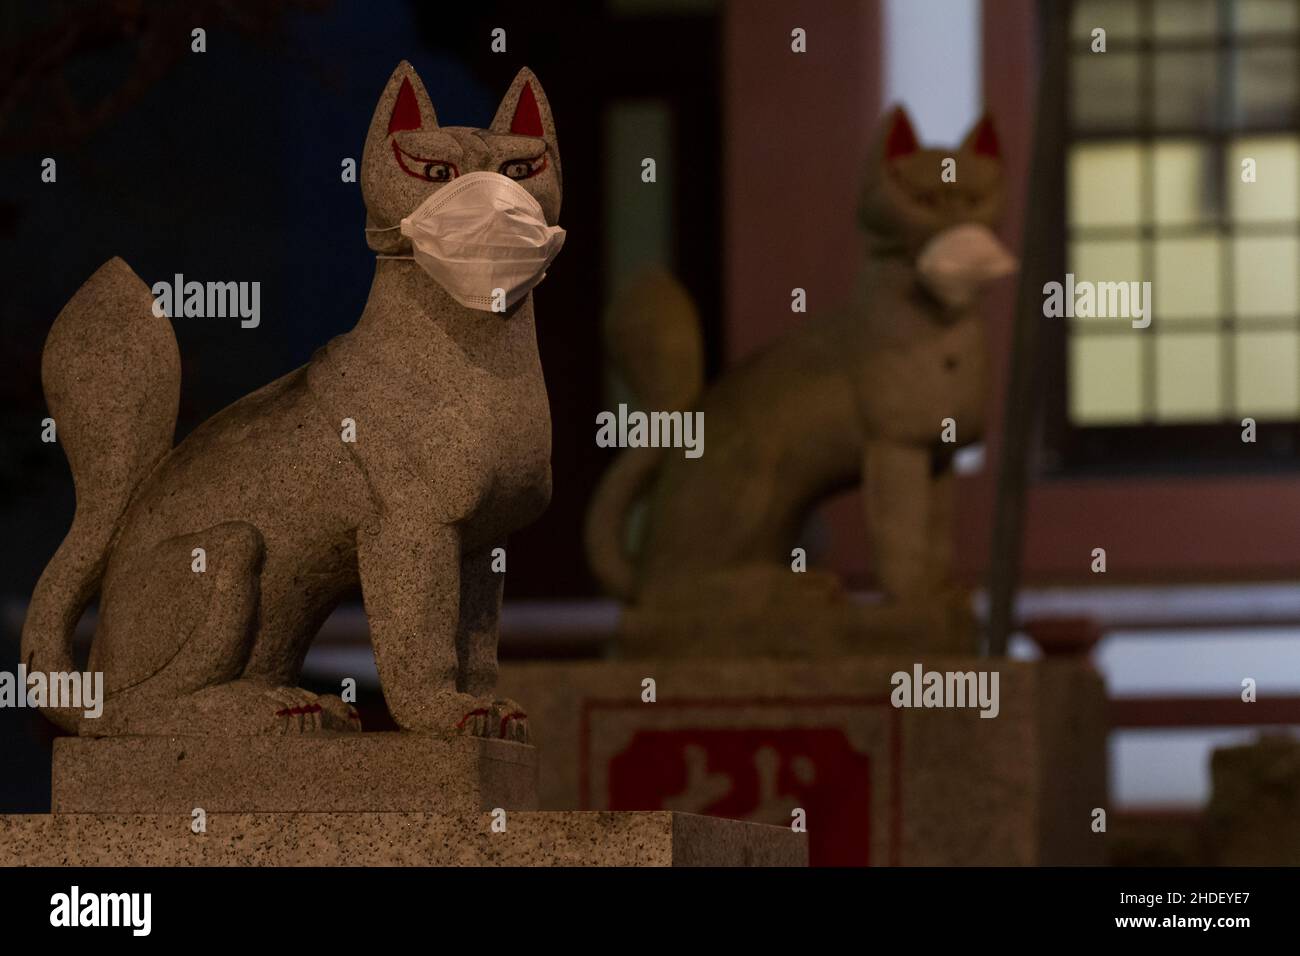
x=395, y=839
x=378, y=772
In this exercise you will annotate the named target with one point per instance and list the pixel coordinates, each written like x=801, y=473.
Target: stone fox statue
x=397, y=459
x=851, y=397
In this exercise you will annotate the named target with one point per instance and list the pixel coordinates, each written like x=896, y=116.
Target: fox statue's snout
x=957, y=263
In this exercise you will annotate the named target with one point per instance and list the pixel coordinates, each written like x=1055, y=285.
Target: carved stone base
x=395, y=839
x=374, y=772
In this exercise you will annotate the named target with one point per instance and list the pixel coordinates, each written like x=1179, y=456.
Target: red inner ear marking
x=986, y=139
x=406, y=111
x=528, y=118
x=902, y=138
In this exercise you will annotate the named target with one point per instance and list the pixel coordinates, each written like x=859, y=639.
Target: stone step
x=529, y=838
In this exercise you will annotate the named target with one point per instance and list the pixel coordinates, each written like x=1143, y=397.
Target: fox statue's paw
x=337, y=714
x=292, y=710
x=464, y=715
x=300, y=711
x=501, y=719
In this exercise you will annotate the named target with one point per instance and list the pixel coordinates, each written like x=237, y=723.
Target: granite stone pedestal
x=380, y=799
x=530, y=838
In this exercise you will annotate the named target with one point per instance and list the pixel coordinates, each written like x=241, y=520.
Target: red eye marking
x=420, y=163
x=533, y=170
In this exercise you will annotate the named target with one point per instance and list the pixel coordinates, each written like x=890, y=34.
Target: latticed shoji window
x=1158, y=127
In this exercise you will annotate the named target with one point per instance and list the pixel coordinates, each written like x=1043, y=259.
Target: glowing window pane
x=1105, y=261
x=1268, y=374
x=1188, y=381
x=1104, y=185
x=1105, y=379
x=1182, y=183
x=1275, y=194
x=1186, y=284
x=1264, y=276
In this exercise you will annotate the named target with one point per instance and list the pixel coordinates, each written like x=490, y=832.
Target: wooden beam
x=1146, y=712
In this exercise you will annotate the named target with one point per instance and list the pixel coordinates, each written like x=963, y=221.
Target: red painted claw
x=517, y=715
x=480, y=712
x=295, y=711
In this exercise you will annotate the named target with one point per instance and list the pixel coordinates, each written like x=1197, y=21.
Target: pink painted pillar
x=797, y=129
x=796, y=132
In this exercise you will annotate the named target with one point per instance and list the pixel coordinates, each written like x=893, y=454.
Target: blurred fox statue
x=878, y=395
x=398, y=459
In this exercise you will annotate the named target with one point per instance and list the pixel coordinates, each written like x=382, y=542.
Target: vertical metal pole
x=1022, y=397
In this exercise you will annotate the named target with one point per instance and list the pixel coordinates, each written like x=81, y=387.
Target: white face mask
x=957, y=262
x=480, y=233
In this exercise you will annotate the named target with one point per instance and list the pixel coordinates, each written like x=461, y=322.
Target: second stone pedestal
x=770, y=741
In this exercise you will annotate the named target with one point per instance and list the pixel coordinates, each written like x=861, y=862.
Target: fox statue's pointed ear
x=525, y=111
x=982, y=140
x=404, y=104
x=896, y=137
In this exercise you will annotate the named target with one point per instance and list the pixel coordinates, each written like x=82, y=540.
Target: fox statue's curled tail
x=654, y=345
x=111, y=373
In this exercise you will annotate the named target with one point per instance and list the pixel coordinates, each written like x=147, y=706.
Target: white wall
x=932, y=65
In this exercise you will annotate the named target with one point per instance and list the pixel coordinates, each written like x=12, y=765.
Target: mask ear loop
x=387, y=229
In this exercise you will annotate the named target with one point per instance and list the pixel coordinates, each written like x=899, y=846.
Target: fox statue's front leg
x=481, y=590
x=909, y=508
x=411, y=584
x=897, y=499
